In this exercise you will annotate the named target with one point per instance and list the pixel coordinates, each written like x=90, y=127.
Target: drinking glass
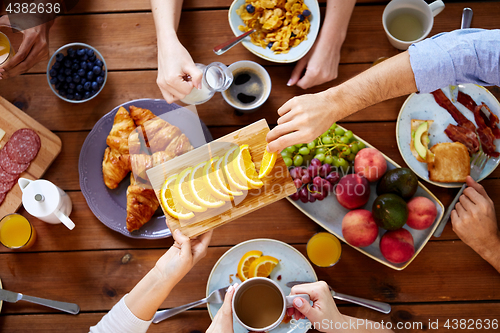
x=16, y=232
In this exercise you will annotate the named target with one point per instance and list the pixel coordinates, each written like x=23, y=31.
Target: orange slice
x=245, y=262
x=267, y=163
x=262, y=267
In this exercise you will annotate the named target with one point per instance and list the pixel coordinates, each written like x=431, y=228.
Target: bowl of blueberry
x=77, y=72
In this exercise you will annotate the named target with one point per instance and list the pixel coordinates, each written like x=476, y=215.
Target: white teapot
x=46, y=201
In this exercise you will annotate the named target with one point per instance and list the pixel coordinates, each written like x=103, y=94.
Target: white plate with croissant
x=123, y=200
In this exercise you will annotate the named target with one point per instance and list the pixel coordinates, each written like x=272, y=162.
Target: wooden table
x=95, y=266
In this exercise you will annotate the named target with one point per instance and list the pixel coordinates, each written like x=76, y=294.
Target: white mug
x=46, y=201
x=287, y=301
x=418, y=8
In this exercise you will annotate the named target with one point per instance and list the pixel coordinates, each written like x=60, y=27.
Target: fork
x=215, y=297
x=476, y=168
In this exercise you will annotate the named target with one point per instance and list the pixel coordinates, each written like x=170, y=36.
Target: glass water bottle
x=216, y=78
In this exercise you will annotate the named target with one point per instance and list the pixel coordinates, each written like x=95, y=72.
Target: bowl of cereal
x=286, y=30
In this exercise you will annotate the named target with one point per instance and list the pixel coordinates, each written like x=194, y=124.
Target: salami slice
x=6, y=177
x=2, y=197
x=6, y=187
x=11, y=167
x=23, y=146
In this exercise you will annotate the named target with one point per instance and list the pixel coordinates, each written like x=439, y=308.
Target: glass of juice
x=6, y=49
x=16, y=232
x=324, y=249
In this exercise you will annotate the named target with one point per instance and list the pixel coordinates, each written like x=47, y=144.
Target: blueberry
x=65, y=86
x=62, y=93
x=54, y=80
x=99, y=80
x=76, y=78
x=306, y=12
x=86, y=95
x=61, y=77
x=85, y=57
x=70, y=91
x=81, y=72
x=95, y=86
x=52, y=72
x=59, y=56
x=69, y=79
x=83, y=65
x=87, y=85
x=82, y=82
x=79, y=87
x=270, y=44
x=56, y=65
x=80, y=52
x=71, y=52
x=67, y=63
x=99, y=63
x=90, y=65
x=90, y=75
x=96, y=70
x=92, y=58
x=301, y=17
x=58, y=85
x=78, y=96
x=70, y=96
x=90, y=52
x=94, y=92
x=67, y=71
x=75, y=67
x=71, y=85
x=250, y=9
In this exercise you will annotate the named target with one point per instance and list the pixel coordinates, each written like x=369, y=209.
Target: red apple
x=352, y=191
x=421, y=213
x=359, y=228
x=397, y=246
x=370, y=163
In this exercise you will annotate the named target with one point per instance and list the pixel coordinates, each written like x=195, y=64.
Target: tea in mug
x=324, y=249
x=16, y=232
x=259, y=306
x=405, y=25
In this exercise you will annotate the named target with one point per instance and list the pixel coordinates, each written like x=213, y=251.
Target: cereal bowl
x=295, y=53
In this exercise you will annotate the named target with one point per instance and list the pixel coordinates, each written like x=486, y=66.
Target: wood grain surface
x=11, y=120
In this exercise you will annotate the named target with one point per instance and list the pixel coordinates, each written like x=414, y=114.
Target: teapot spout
x=23, y=183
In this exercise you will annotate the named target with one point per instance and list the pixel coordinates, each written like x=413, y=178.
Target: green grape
x=327, y=140
x=304, y=151
x=297, y=160
x=346, y=151
x=354, y=148
x=344, y=140
x=320, y=150
x=361, y=145
x=343, y=163
x=325, y=134
x=339, y=131
x=298, y=145
x=348, y=135
x=290, y=149
x=351, y=157
x=329, y=159
x=336, y=161
x=307, y=159
x=288, y=161
x=311, y=145
x=320, y=157
x=332, y=128
x=285, y=153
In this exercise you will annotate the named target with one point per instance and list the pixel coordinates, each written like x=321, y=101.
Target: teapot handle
x=65, y=220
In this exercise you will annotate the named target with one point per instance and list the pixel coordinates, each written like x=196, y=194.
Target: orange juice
x=16, y=232
x=324, y=249
x=5, y=48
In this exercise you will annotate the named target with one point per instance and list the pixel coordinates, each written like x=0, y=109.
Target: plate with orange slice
x=260, y=257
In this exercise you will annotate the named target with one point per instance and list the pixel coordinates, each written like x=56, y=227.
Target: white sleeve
x=121, y=320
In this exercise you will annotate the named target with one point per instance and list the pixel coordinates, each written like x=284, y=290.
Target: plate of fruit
x=364, y=198
x=265, y=258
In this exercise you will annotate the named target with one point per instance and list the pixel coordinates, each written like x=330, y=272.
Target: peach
x=421, y=213
x=397, y=246
x=352, y=191
x=370, y=163
x=359, y=228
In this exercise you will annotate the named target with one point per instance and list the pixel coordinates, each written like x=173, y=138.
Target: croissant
x=115, y=167
x=179, y=145
x=139, y=163
x=140, y=117
x=141, y=205
x=118, y=137
x=160, y=133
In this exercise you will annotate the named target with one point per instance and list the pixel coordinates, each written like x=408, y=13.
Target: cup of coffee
x=250, y=88
x=409, y=21
x=259, y=304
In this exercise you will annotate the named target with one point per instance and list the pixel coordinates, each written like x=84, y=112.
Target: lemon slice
x=170, y=203
x=267, y=163
x=262, y=267
x=221, y=180
x=245, y=263
x=183, y=193
x=229, y=170
x=245, y=168
x=210, y=180
x=200, y=191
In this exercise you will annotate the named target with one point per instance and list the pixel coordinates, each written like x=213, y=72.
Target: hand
x=223, y=321
x=182, y=256
x=474, y=219
x=321, y=64
x=303, y=119
x=33, y=49
x=174, y=65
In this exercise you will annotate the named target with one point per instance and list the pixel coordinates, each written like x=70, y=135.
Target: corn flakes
x=280, y=24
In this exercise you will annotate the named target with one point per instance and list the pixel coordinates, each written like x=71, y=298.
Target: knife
x=374, y=305
x=12, y=297
x=466, y=21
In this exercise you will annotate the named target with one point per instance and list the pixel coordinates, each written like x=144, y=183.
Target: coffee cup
x=409, y=21
x=259, y=304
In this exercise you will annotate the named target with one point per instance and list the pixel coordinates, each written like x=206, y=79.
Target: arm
x=322, y=61
x=174, y=61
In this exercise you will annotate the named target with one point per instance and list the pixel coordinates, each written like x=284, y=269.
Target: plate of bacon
x=428, y=124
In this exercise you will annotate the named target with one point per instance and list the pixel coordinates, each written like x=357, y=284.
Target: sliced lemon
x=267, y=163
x=199, y=189
x=170, y=203
x=245, y=168
x=234, y=182
x=245, y=263
x=210, y=180
x=262, y=267
x=182, y=192
x=221, y=180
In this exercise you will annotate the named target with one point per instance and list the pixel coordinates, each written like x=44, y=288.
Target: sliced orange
x=267, y=163
x=169, y=201
x=245, y=168
x=245, y=262
x=262, y=267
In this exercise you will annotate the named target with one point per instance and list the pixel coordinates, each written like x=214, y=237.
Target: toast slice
x=451, y=163
x=424, y=139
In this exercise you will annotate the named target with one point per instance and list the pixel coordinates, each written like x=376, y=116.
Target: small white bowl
x=295, y=53
x=264, y=75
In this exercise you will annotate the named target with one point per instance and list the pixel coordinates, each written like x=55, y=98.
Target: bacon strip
x=464, y=136
x=491, y=121
x=445, y=103
x=485, y=134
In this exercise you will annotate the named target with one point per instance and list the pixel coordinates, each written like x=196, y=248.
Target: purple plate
x=110, y=206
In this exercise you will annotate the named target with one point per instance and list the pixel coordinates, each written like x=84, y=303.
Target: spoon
x=222, y=48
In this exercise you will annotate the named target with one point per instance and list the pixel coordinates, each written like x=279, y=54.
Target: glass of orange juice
x=16, y=232
x=324, y=249
x=6, y=49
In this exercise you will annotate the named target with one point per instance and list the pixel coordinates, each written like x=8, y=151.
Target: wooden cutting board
x=277, y=185
x=12, y=119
